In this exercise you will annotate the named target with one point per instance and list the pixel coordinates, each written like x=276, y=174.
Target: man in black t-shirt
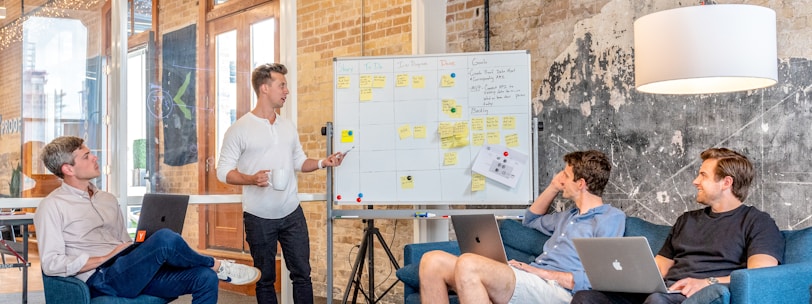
x=706, y=245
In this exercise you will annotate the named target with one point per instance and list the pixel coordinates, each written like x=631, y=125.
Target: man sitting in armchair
x=557, y=272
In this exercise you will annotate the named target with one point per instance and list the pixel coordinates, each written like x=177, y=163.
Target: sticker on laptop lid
x=140, y=236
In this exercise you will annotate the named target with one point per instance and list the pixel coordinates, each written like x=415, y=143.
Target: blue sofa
x=786, y=283
x=70, y=290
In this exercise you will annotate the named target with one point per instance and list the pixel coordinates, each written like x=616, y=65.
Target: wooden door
x=236, y=43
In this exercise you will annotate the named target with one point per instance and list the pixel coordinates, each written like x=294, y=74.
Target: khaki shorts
x=531, y=288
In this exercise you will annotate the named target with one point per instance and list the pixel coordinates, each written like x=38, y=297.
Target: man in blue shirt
x=555, y=274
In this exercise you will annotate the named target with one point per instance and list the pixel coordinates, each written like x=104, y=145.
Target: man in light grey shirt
x=79, y=227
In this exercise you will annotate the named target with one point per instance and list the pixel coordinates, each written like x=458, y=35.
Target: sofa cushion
x=521, y=243
x=655, y=234
x=798, y=244
x=409, y=275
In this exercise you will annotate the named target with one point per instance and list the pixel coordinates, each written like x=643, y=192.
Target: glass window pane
x=62, y=87
x=225, y=84
x=136, y=123
x=139, y=16
x=262, y=46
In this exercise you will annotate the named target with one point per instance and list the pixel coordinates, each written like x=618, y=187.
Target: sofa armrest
x=408, y=274
x=787, y=283
x=413, y=252
x=65, y=290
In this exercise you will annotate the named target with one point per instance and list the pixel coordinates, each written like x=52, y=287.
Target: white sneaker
x=237, y=274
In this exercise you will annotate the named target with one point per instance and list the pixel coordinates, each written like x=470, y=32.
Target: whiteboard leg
x=433, y=230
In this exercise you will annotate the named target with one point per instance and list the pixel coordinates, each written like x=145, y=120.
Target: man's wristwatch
x=712, y=280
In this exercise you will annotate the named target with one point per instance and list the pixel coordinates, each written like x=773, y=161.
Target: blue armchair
x=746, y=286
x=70, y=290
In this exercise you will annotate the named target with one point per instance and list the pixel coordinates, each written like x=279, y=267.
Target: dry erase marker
x=348, y=150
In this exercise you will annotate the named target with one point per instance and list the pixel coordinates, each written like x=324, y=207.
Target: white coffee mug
x=279, y=178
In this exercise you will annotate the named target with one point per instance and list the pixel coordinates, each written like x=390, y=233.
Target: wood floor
x=11, y=279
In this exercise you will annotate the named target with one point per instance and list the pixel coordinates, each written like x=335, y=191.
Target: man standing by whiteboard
x=555, y=274
x=261, y=151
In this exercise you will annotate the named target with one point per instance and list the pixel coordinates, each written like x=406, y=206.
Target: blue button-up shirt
x=559, y=252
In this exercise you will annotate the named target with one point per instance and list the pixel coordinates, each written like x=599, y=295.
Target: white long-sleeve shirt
x=72, y=226
x=252, y=144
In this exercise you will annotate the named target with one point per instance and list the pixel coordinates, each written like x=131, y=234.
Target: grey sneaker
x=237, y=274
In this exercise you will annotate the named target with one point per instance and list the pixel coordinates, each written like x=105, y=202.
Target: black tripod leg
x=356, y=269
x=387, y=250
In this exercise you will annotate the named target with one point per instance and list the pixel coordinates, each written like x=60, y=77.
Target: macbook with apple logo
x=620, y=264
x=479, y=234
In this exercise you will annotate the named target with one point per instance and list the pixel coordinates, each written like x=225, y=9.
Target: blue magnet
x=453, y=75
x=360, y=195
x=349, y=133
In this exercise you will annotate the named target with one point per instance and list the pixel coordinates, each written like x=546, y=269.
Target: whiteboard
x=417, y=124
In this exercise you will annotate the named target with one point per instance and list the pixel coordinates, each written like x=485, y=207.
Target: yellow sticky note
x=379, y=81
x=343, y=82
x=420, y=131
x=366, y=94
x=405, y=131
x=492, y=122
x=446, y=81
x=446, y=129
x=447, y=143
x=509, y=122
x=478, y=123
x=365, y=81
x=406, y=182
x=447, y=105
x=456, y=112
x=418, y=81
x=401, y=80
x=460, y=142
x=478, y=139
x=493, y=138
x=461, y=129
x=450, y=158
x=512, y=140
x=477, y=182
x=347, y=136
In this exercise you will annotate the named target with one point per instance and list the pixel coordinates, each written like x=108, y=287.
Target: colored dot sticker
x=453, y=75
x=506, y=154
x=338, y=197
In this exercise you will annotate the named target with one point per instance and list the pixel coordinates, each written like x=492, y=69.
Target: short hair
x=733, y=164
x=59, y=152
x=593, y=166
x=263, y=72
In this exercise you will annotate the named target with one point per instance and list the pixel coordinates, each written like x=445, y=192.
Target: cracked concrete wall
x=583, y=77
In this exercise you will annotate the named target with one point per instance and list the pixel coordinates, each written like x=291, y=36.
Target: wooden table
x=24, y=220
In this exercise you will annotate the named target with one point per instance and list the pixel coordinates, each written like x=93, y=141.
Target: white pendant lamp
x=705, y=49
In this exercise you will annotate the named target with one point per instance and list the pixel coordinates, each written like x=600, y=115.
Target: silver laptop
x=479, y=234
x=620, y=264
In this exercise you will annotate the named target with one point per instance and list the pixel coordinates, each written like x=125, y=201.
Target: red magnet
x=338, y=197
x=358, y=199
x=506, y=154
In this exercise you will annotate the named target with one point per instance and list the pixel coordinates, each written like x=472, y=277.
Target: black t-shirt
x=704, y=244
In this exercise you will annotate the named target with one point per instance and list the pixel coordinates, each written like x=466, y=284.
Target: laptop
x=479, y=234
x=158, y=211
x=620, y=264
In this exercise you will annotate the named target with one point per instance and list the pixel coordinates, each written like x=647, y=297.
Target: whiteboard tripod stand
x=367, y=251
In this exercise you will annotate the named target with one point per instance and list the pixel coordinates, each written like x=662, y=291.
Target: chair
x=70, y=290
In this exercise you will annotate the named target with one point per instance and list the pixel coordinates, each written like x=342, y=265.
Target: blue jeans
x=163, y=266
x=291, y=232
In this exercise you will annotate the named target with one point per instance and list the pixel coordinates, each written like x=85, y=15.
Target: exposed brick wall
x=347, y=28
